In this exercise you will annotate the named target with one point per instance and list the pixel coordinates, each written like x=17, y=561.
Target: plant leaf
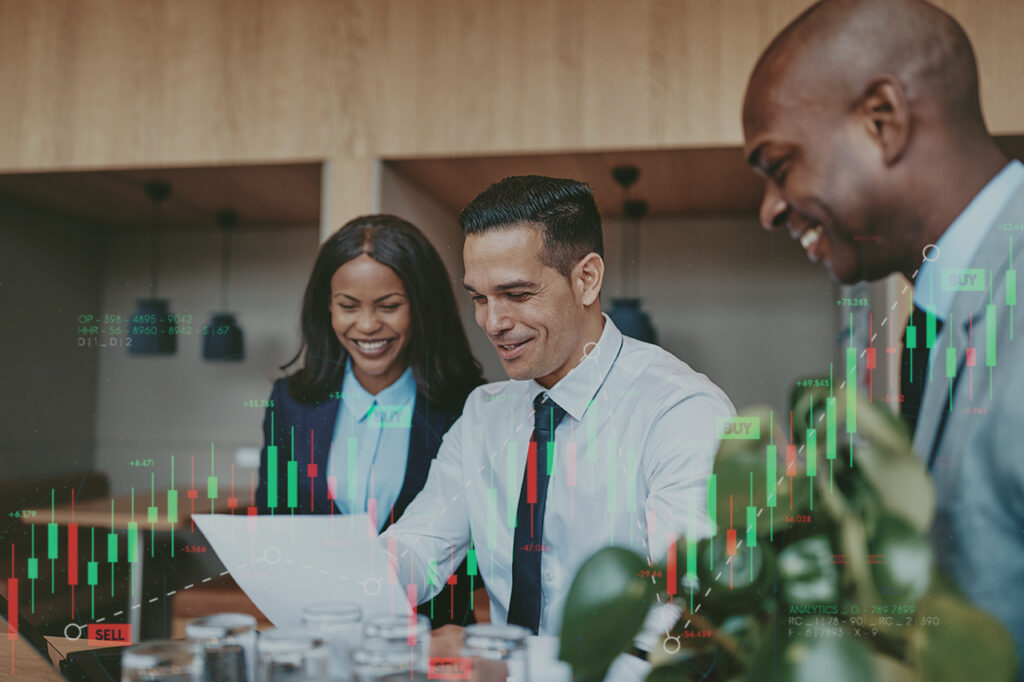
x=965, y=643
x=807, y=573
x=605, y=608
x=812, y=653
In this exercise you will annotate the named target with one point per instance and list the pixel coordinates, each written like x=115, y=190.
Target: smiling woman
x=385, y=370
x=371, y=272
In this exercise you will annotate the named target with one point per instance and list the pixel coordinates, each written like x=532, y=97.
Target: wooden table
x=135, y=515
x=20, y=661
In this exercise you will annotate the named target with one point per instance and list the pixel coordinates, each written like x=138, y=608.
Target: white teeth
x=810, y=237
x=372, y=345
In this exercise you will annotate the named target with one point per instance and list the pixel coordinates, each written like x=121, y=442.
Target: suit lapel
x=966, y=329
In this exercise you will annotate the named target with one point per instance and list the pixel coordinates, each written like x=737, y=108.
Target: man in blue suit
x=864, y=119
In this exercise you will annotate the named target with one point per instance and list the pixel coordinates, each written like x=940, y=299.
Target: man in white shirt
x=596, y=439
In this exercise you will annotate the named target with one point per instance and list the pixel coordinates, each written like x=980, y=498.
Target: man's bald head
x=831, y=54
x=864, y=118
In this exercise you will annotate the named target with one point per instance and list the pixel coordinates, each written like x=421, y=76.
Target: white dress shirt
x=370, y=446
x=632, y=460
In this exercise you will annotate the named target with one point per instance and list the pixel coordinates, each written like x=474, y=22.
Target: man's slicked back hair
x=564, y=208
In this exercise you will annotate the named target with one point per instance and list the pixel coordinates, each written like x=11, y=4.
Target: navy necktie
x=524, y=606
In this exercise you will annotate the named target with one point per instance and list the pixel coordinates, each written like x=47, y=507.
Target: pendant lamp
x=150, y=328
x=222, y=337
x=627, y=312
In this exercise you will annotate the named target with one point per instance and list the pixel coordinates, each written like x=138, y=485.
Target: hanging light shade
x=222, y=337
x=150, y=329
x=627, y=312
x=631, y=319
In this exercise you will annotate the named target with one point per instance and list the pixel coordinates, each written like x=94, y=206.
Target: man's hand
x=447, y=641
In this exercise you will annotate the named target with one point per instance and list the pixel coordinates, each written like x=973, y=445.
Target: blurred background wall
x=381, y=105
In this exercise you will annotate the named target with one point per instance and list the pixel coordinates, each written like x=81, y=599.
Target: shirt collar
x=576, y=390
x=358, y=401
x=960, y=242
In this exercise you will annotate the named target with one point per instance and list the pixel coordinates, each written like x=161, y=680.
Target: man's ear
x=886, y=113
x=587, y=277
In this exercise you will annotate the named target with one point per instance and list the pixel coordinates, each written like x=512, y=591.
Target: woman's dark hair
x=444, y=368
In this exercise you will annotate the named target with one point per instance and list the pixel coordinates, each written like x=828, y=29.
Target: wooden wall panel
x=122, y=83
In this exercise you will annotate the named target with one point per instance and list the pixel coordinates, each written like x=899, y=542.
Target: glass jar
x=340, y=623
x=228, y=643
x=291, y=654
x=393, y=648
x=503, y=644
x=162, y=660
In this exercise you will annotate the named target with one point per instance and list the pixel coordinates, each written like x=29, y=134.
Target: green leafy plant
x=827, y=572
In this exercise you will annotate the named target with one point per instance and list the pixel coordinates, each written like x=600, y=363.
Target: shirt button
x=549, y=576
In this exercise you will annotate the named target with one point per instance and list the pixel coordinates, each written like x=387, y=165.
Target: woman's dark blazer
x=310, y=427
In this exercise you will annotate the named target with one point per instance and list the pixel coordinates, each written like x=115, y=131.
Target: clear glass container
x=162, y=660
x=340, y=623
x=292, y=654
x=393, y=648
x=502, y=644
x=228, y=642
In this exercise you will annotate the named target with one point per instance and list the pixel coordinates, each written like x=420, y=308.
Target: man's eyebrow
x=755, y=156
x=517, y=284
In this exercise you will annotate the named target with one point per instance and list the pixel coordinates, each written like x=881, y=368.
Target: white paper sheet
x=285, y=562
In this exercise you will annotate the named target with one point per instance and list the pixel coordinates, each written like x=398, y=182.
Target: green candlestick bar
x=133, y=542
x=712, y=516
x=112, y=548
x=812, y=452
x=272, y=476
x=751, y=526
x=293, y=484
x=830, y=428
x=851, y=391
x=33, y=570
x=51, y=553
x=990, y=335
x=691, y=559
x=771, y=476
x=211, y=482
x=51, y=541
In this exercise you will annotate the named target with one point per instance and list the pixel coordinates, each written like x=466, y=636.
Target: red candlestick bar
x=671, y=577
x=12, y=605
x=531, y=474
